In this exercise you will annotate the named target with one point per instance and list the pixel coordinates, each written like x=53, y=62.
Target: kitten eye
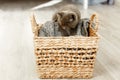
x=73, y=17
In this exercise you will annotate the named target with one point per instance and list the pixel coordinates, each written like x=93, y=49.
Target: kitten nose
x=64, y=27
x=71, y=20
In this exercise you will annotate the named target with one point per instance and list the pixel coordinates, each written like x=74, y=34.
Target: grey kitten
x=68, y=18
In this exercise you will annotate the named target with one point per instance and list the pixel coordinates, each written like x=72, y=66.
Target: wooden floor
x=17, y=60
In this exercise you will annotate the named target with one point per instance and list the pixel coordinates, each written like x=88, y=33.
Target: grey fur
x=51, y=28
x=68, y=18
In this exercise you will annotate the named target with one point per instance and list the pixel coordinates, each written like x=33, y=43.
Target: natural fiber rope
x=65, y=57
x=94, y=17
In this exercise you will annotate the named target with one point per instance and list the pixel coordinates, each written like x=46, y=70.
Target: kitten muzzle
x=64, y=27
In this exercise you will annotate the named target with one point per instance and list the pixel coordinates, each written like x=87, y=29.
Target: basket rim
x=59, y=37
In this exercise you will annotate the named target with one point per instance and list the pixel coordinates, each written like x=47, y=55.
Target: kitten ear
x=57, y=16
x=60, y=14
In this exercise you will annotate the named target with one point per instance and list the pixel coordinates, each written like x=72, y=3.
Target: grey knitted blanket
x=50, y=29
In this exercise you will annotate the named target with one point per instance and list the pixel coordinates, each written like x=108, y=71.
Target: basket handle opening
x=94, y=18
x=35, y=27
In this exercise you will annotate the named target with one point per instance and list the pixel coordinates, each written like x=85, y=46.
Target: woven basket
x=65, y=57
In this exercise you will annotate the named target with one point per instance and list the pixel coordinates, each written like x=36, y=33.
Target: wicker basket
x=65, y=57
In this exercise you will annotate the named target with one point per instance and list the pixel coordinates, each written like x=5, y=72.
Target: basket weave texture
x=65, y=57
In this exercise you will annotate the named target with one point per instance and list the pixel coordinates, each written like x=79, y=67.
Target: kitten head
x=67, y=19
